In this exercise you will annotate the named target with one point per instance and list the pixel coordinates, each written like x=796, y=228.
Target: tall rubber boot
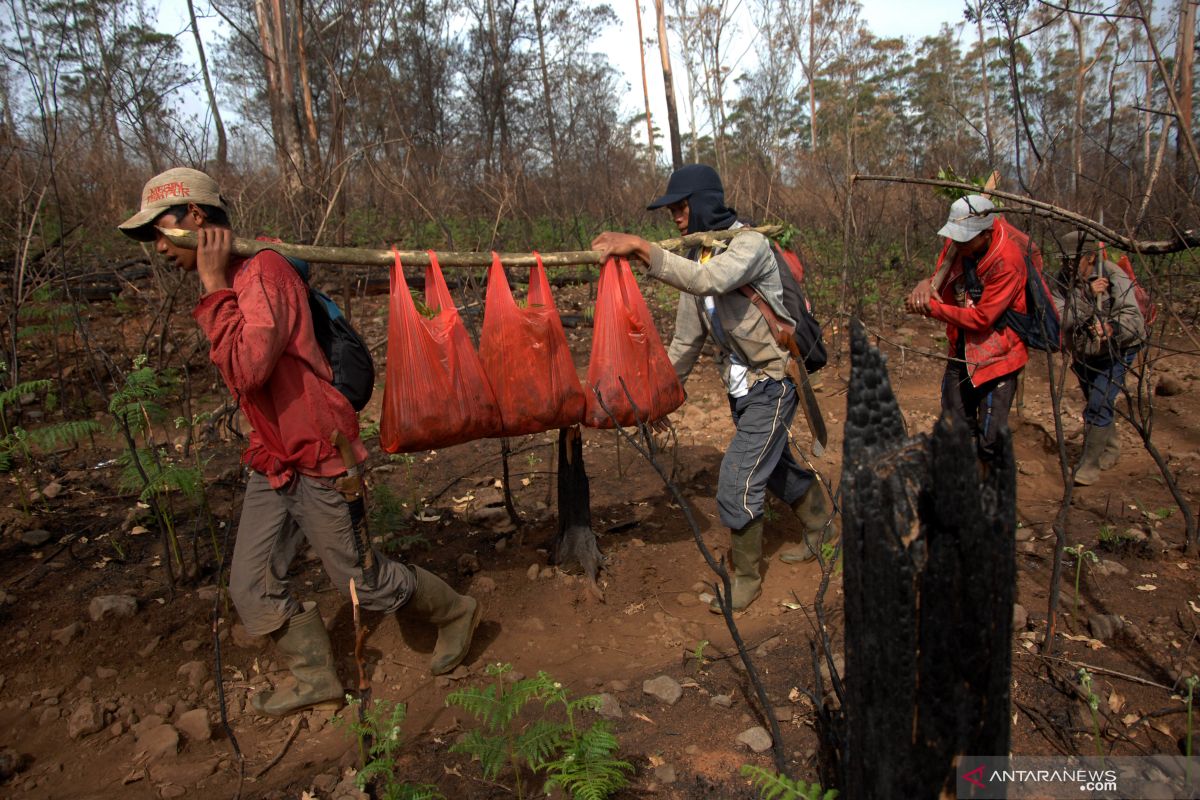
x=455, y=615
x=814, y=513
x=1089, y=463
x=304, y=644
x=746, y=553
x=1112, y=447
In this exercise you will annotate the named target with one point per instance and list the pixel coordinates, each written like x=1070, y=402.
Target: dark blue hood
x=700, y=185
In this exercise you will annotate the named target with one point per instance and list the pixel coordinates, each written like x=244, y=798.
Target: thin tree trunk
x=310, y=121
x=1185, y=59
x=222, y=139
x=1081, y=68
x=812, y=68
x=551, y=128
x=664, y=53
x=637, y=5
x=987, y=93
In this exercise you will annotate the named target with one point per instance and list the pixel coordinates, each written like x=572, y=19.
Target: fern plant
x=773, y=786
x=135, y=407
x=377, y=730
x=17, y=441
x=581, y=762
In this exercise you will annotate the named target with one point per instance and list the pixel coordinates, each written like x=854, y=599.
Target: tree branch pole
x=1185, y=239
x=420, y=258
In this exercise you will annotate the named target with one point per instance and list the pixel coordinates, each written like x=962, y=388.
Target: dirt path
x=92, y=707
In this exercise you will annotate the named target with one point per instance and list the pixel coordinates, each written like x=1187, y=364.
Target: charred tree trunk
x=575, y=543
x=929, y=571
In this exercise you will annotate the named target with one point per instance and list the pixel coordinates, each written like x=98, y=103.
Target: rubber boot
x=1089, y=463
x=1112, y=447
x=455, y=615
x=813, y=511
x=304, y=644
x=746, y=553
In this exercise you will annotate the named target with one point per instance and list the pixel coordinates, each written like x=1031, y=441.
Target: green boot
x=455, y=615
x=1089, y=463
x=304, y=644
x=746, y=552
x=814, y=514
x=1112, y=447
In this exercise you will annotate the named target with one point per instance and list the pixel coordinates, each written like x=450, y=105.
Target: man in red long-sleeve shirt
x=256, y=315
x=986, y=277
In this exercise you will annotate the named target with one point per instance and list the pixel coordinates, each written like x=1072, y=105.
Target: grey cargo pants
x=269, y=536
x=759, y=457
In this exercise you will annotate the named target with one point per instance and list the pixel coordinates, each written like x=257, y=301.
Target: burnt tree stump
x=575, y=543
x=929, y=579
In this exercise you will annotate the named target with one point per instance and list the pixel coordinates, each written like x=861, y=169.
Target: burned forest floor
x=107, y=681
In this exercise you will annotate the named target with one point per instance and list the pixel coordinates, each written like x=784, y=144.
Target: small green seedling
x=1080, y=555
x=1093, y=701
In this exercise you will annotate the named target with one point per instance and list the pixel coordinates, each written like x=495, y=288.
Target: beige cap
x=174, y=187
x=1079, y=243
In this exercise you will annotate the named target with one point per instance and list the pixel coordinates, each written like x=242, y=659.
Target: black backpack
x=349, y=357
x=808, y=334
x=1039, y=327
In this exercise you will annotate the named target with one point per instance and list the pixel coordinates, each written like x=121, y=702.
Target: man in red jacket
x=255, y=313
x=986, y=277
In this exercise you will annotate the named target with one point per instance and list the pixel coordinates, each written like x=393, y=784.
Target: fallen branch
x=1098, y=670
x=286, y=744
x=1184, y=241
x=420, y=258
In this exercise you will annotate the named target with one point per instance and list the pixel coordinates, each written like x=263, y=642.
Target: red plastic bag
x=436, y=393
x=626, y=349
x=526, y=358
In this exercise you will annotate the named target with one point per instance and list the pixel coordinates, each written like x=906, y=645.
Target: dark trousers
x=1101, y=379
x=985, y=408
x=759, y=457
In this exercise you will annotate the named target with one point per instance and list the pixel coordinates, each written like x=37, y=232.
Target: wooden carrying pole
x=420, y=258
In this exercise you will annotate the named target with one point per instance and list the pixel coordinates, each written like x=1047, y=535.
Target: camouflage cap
x=1079, y=243
x=174, y=187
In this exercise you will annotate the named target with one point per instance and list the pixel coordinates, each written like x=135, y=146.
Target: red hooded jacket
x=990, y=353
x=263, y=344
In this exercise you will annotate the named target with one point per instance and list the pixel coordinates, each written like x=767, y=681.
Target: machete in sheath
x=354, y=490
x=784, y=337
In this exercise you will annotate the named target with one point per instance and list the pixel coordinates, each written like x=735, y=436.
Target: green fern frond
x=405, y=791
x=587, y=769
x=482, y=703
x=539, y=742
x=61, y=434
x=490, y=750
x=13, y=395
x=773, y=786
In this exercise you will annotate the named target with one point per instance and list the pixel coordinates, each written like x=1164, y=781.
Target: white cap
x=969, y=216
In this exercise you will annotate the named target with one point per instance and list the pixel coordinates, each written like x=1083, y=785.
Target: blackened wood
x=575, y=543
x=928, y=579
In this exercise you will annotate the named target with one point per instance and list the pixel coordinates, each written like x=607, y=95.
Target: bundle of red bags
x=526, y=358
x=629, y=367
x=436, y=393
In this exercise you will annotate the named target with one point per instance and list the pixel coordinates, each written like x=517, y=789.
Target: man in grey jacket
x=753, y=366
x=1103, y=329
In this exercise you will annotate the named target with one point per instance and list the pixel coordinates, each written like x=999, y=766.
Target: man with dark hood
x=753, y=366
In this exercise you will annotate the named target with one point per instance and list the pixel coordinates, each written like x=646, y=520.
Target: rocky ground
x=108, y=685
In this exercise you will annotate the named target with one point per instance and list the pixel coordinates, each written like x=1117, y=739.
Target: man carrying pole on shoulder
x=754, y=367
x=981, y=274
x=304, y=446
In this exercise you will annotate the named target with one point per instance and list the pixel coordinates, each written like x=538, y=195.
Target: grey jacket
x=1078, y=308
x=747, y=260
